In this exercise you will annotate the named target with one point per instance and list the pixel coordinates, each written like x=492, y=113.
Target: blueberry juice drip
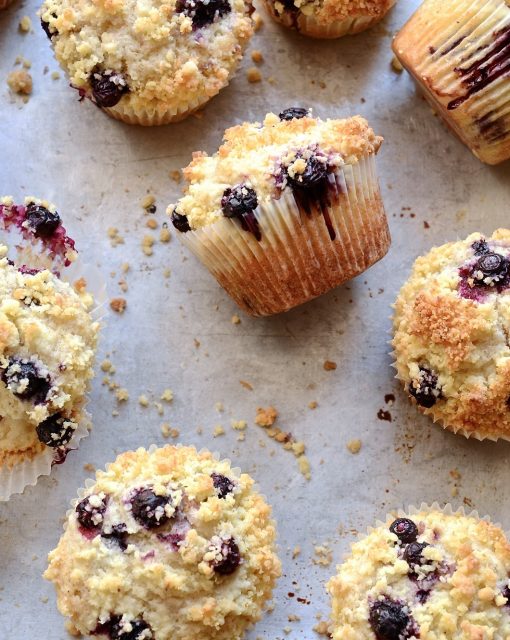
x=316, y=196
x=481, y=73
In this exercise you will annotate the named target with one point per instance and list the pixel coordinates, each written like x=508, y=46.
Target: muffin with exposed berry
x=47, y=346
x=431, y=574
x=285, y=210
x=148, y=63
x=167, y=544
x=328, y=18
x=458, y=53
x=451, y=328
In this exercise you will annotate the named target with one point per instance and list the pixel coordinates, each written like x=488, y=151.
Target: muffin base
x=151, y=117
x=460, y=62
x=311, y=27
x=296, y=259
x=5, y=3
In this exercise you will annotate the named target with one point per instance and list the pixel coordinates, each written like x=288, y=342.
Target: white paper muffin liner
x=451, y=56
x=27, y=472
x=310, y=26
x=296, y=260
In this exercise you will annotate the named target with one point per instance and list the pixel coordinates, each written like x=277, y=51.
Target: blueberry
x=120, y=629
x=238, y=201
x=222, y=484
x=480, y=247
x=314, y=175
x=506, y=594
x=90, y=511
x=149, y=509
x=203, y=12
x=405, y=529
x=294, y=113
x=118, y=535
x=43, y=221
x=230, y=558
x=49, y=31
x=108, y=87
x=413, y=554
x=180, y=222
x=22, y=378
x=492, y=264
x=427, y=392
x=390, y=620
x=55, y=431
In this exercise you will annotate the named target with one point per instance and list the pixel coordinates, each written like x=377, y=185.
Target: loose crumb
x=257, y=20
x=143, y=401
x=236, y=319
x=122, y=395
x=322, y=628
x=118, y=305
x=164, y=234
x=152, y=223
x=167, y=395
x=304, y=466
x=253, y=75
x=396, y=65
x=55, y=75
x=20, y=82
x=25, y=24
x=296, y=552
x=323, y=555
x=159, y=408
x=147, y=244
x=168, y=431
x=106, y=365
x=246, y=385
x=313, y=404
x=239, y=425
x=329, y=365
x=257, y=56
x=266, y=417
x=354, y=446
x=115, y=238
x=89, y=467
x=175, y=175
x=219, y=407
x=218, y=431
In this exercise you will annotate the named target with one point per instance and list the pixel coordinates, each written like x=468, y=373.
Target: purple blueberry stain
x=90, y=511
x=43, y=221
x=177, y=534
x=405, y=530
x=116, y=536
x=240, y=202
x=392, y=620
x=55, y=431
x=203, y=12
x=425, y=390
x=23, y=378
x=149, y=509
x=108, y=87
x=222, y=484
x=228, y=558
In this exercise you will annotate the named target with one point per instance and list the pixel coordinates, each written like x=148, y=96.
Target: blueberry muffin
x=285, y=210
x=429, y=575
x=459, y=55
x=328, y=18
x=167, y=544
x=148, y=63
x=451, y=335
x=47, y=346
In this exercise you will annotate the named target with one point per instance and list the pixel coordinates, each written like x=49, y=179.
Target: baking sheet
x=177, y=332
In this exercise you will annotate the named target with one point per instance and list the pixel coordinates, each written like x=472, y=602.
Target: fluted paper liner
x=27, y=472
x=460, y=60
x=5, y=3
x=296, y=260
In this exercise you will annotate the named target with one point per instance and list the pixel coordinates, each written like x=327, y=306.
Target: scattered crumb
x=257, y=56
x=118, y=305
x=167, y=395
x=253, y=75
x=122, y=395
x=292, y=617
x=168, y=431
x=323, y=555
x=329, y=365
x=106, y=365
x=236, y=319
x=125, y=267
x=89, y=467
x=143, y=401
x=304, y=466
x=313, y=404
x=115, y=238
x=55, y=75
x=20, y=82
x=354, y=446
x=164, y=234
x=218, y=431
x=219, y=407
x=296, y=551
x=257, y=20
x=175, y=175
x=115, y=413
x=147, y=243
x=166, y=273
x=147, y=203
x=246, y=385
x=396, y=65
x=266, y=417
x=239, y=425
x=152, y=223
x=322, y=628
x=159, y=408
x=25, y=24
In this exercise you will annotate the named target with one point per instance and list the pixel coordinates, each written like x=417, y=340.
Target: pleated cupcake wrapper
x=310, y=26
x=482, y=122
x=296, y=259
x=27, y=472
x=5, y=3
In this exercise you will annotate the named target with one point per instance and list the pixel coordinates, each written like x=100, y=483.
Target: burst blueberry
x=90, y=511
x=55, y=431
x=426, y=390
x=405, y=529
x=491, y=265
x=22, y=377
x=230, y=558
x=390, y=620
x=138, y=630
x=108, y=87
x=148, y=509
x=314, y=176
x=480, y=247
x=118, y=535
x=222, y=484
x=43, y=221
x=413, y=554
x=238, y=201
x=180, y=221
x=294, y=113
x=203, y=12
